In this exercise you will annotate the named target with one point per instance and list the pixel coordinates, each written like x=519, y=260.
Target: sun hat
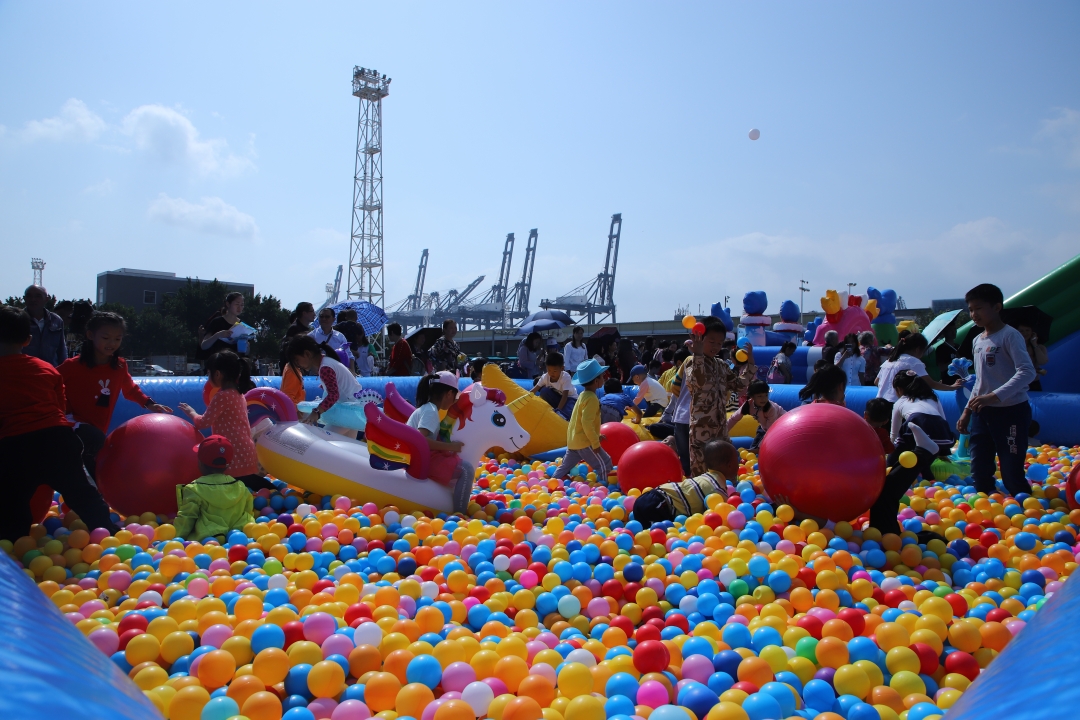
x=588, y=371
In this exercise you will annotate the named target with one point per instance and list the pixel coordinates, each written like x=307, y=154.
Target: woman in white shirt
x=574, y=352
x=907, y=355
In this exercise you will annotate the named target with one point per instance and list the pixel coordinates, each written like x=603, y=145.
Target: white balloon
x=755, y=134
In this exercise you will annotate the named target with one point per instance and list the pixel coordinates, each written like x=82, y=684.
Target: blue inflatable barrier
x=48, y=669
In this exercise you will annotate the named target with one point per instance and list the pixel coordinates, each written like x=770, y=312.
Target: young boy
x=215, y=503
x=556, y=387
x=687, y=497
x=757, y=406
x=37, y=443
x=709, y=380
x=615, y=402
x=878, y=415
x=650, y=393
x=583, y=436
x=998, y=413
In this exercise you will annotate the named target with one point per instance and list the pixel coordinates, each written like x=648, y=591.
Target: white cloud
x=76, y=122
x=1064, y=132
x=211, y=215
x=101, y=189
x=171, y=138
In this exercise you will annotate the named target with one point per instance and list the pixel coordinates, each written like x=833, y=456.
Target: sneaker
x=925, y=536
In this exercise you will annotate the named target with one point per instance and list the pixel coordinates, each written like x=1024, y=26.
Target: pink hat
x=447, y=378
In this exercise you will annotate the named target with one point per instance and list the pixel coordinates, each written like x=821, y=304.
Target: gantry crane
x=596, y=298
x=517, y=302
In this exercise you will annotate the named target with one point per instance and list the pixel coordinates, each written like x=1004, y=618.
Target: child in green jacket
x=215, y=503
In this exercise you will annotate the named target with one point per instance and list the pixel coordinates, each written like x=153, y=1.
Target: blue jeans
x=553, y=397
x=1000, y=431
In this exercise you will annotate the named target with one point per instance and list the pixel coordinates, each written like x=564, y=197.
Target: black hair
x=306, y=344
x=393, y=329
x=333, y=315
x=903, y=334
x=668, y=354
x=878, y=410
x=788, y=344
x=719, y=454
x=613, y=386
x=909, y=384
x=680, y=356
x=757, y=387
x=821, y=365
x=446, y=323
x=63, y=304
x=655, y=364
x=100, y=320
x=14, y=325
x=431, y=390
x=477, y=368
x=234, y=371
x=907, y=345
x=81, y=312
x=229, y=299
x=986, y=292
x=713, y=324
x=825, y=383
x=729, y=343
x=554, y=359
x=529, y=339
x=300, y=308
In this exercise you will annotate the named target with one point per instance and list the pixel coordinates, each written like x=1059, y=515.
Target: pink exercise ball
x=647, y=464
x=825, y=460
x=144, y=460
x=617, y=438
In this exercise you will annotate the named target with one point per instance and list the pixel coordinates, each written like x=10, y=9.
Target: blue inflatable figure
x=884, y=324
x=789, y=328
x=753, y=322
x=724, y=314
x=811, y=329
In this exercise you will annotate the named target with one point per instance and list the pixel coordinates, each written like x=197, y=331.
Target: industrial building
x=143, y=289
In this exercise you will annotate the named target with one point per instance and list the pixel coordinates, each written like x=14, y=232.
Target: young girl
x=827, y=385
x=292, y=381
x=338, y=383
x=918, y=426
x=94, y=379
x=227, y=416
x=437, y=393
x=757, y=406
x=907, y=355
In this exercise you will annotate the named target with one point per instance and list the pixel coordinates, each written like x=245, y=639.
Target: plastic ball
x=689, y=321
x=617, y=438
x=741, y=355
x=908, y=459
x=754, y=134
x=847, y=470
x=699, y=328
x=648, y=464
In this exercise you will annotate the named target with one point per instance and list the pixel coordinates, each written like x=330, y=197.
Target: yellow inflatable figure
x=546, y=428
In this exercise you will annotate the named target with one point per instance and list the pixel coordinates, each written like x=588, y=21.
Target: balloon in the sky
x=755, y=134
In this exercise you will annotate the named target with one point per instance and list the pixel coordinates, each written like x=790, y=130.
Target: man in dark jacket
x=47, y=339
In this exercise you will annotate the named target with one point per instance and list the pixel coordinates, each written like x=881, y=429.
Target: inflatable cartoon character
x=845, y=314
x=754, y=321
x=724, y=315
x=789, y=328
x=884, y=325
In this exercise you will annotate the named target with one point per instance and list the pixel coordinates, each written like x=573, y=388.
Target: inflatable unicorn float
x=392, y=467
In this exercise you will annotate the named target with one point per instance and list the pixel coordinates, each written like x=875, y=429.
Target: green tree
x=17, y=301
x=192, y=305
x=270, y=321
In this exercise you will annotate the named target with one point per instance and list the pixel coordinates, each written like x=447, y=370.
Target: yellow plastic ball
x=908, y=459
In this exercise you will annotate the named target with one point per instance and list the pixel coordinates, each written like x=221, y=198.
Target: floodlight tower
x=38, y=266
x=366, y=243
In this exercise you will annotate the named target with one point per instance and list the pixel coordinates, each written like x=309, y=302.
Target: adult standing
x=217, y=333
x=528, y=355
x=574, y=352
x=851, y=361
x=299, y=324
x=445, y=351
x=47, y=339
x=324, y=332
x=401, y=356
x=832, y=346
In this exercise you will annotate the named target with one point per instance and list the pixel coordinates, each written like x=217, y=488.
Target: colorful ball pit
x=549, y=602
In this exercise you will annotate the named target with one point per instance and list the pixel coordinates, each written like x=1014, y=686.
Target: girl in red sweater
x=227, y=416
x=94, y=379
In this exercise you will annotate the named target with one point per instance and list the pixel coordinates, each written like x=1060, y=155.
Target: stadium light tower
x=38, y=266
x=366, y=242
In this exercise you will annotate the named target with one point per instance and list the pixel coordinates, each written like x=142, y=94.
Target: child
x=94, y=379
x=37, y=443
x=556, y=387
x=710, y=381
x=757, y=406
x=615, y=402
x=292, y=381
x=827, y=385
x=851, y=361
x=688, y=497
x=583, y=436
x=227, y=415
x=918, y=426
x=337, y=381
x=650, y=392
x=780, y=368
x=878, y=415
x=401, y=355
x=575, y=352
x=434, y=393
x=907, y=355
x=216, y=503
x=998, y=412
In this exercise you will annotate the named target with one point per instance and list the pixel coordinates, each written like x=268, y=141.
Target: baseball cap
x=215, y=451
x=447, y=378
x=638, y=370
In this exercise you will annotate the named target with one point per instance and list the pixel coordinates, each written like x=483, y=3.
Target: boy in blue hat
x=583, y=436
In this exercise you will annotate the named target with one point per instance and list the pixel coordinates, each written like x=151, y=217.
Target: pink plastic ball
x=652, y=694
x=351, y=710
x=319, y=626
x=106, y=640
x=215, y=635
x=457, y=675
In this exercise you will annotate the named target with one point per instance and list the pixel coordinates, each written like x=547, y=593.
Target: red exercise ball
x=144, y=460
x=40, y=503
x=1071, y=486
x=826, y=460
x=647, y=464
x=617, y=437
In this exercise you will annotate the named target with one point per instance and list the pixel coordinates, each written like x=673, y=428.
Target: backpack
x=774, y=376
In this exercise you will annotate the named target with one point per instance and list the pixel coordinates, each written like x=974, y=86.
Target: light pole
x=804, y=288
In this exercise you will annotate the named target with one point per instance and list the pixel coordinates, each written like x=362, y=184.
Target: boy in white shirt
x=556, y=387
x=651, y=395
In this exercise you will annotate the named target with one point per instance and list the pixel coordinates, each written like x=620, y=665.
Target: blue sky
x=920, y=146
